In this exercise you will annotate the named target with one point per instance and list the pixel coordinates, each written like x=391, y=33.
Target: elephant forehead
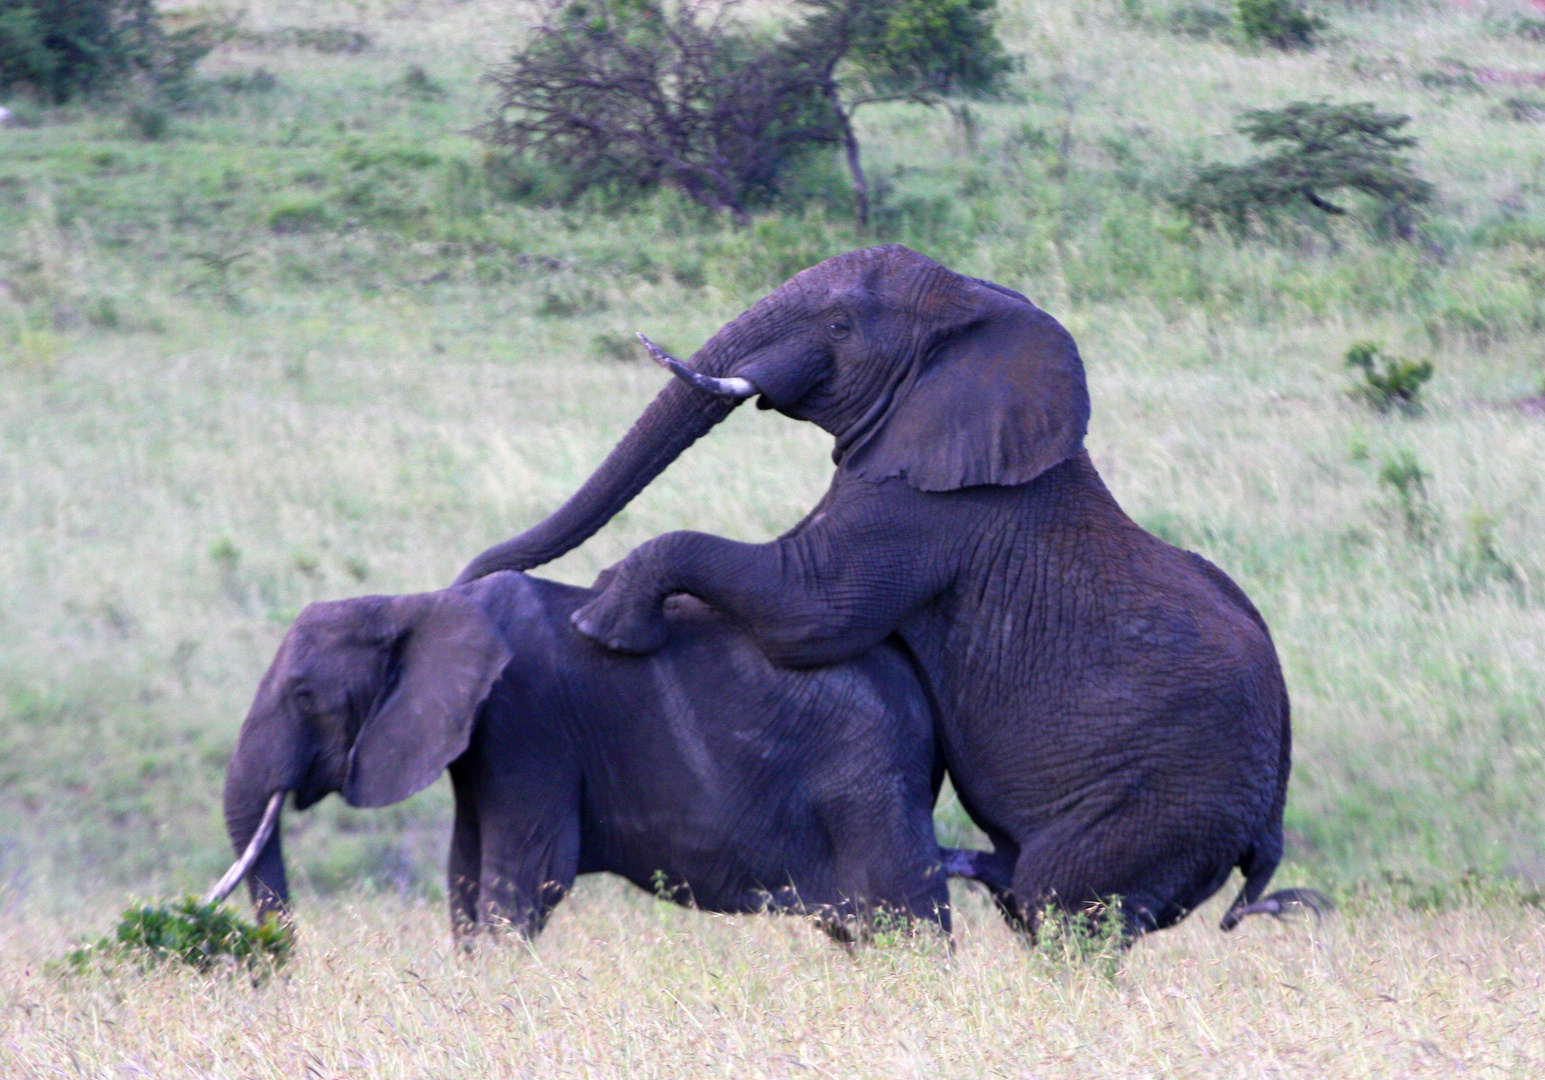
x=875, y=269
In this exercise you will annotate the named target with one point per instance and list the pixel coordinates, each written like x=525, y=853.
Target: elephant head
x=920, y=373
x=372, y=697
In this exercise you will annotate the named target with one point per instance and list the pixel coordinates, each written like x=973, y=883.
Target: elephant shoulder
x=1225, y=585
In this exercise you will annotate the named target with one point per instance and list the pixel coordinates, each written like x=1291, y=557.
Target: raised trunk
x=674, y=420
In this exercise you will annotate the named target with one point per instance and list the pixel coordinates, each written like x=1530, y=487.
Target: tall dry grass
x=624, y=986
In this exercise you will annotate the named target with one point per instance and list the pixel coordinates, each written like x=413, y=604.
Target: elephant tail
x=1279, y=904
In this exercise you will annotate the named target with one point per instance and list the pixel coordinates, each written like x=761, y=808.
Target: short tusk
x=736, y=388
x=226, y=885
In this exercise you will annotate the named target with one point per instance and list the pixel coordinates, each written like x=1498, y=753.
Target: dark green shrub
x=1282, y=24
x=1397, y=386
x=203, y=936
x=57, y=49
x=1328, y=148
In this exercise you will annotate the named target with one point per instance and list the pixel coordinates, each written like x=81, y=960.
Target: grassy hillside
x=312, y=343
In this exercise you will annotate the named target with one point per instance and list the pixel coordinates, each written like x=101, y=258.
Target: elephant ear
x=1000, y=398
x=446, y=656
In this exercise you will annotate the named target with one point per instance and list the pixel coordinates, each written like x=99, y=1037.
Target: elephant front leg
x=527, y=869
x=464, y=868
x=820, y=597
x=628, y=616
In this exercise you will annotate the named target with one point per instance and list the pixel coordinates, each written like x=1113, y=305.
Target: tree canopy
x=1328, y=148
x=636, y=93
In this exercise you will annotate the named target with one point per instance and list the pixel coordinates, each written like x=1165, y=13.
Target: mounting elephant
x=1111, y=708
x=703, y=770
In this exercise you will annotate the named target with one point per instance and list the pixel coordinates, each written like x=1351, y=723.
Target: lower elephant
x=703, y=771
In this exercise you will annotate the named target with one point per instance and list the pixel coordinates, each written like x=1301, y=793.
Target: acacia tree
x=920, y=51
x=1322, y=149
x=633, y=94
x=644, y=92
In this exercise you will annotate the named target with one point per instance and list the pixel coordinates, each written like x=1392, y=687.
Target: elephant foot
x=622, y=627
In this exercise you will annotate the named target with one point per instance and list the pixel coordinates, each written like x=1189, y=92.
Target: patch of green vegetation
x=59, y=50
x=1329, y=148
x=1282, y=24
x=1397, y=386
x=203, y=936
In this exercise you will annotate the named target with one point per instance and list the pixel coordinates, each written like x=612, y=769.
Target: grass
x=623, y=985
x=306, y=344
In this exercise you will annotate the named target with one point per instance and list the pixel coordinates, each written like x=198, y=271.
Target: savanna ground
x=313, y=341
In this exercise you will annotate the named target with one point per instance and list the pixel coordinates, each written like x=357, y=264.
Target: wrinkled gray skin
x=703, y=769
x=1111, y=708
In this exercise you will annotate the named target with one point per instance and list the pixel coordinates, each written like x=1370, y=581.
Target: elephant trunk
x=678, y=416
x=251, y=810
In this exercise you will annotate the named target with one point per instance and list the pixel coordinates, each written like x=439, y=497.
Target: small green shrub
x=1325, y=149
x=1282, y=24
x=1397, y=386
x=203, y=936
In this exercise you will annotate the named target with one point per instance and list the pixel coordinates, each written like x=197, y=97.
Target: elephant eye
x=304, y=699
x=839, y=328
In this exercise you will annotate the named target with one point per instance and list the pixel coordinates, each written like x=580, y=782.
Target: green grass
x=305, y=345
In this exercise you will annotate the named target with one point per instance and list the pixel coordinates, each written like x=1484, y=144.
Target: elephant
x=1111, y=708
x=702, y=772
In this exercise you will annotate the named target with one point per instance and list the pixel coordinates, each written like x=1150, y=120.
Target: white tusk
x=226, y=885
x=736, y=388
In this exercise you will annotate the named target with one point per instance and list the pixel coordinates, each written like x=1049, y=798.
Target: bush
x=1329, y=148
x=1397, y=386
x=1282, y=24
x=58, y=49
x=203, y=936
x=631, y=95
x=628, y=95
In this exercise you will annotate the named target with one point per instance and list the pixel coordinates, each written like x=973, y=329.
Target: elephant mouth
x=243, y=865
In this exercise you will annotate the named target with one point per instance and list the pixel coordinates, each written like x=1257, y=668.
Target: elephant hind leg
x=1158, y=876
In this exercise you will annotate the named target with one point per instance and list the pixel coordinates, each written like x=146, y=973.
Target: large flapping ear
x=446, y=657
x=999, y=399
